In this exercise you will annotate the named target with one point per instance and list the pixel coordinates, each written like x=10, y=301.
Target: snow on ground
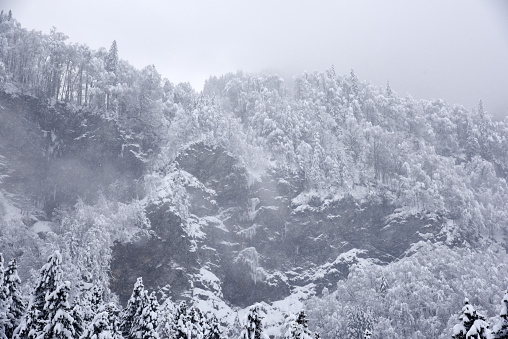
x=41, y=227
x=274, y=314
x=8, y=211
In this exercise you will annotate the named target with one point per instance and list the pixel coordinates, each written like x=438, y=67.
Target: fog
x=455, y=50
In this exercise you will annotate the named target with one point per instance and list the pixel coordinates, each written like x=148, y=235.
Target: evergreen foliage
x=500, y=330
x=15, y=305
x=298, y=327
x=253, y=325
x=38, y=315
x=473, y=324
x=59, y=323
x=133, y=310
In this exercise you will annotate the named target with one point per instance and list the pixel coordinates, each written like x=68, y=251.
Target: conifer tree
x=181, y=322
x=60, y=324
x=16, y=305
x=79, y=321
x=146, y=322
x=213, y=330
x=133, y=309
x=253, y=327
x=473, y=324
x=500, y=330
x=112, y=58
x=197, y=324
x=37, y=316
x=3, y=302
x=105, y=324
x=298, y=327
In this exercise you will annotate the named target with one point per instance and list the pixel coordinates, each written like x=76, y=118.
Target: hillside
x=335, y=195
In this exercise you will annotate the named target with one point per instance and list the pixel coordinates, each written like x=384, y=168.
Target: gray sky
x=451, y=49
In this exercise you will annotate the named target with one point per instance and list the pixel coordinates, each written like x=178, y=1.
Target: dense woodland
x=426, y=157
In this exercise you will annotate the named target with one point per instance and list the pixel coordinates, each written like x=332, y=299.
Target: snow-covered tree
x=4, y=320
x=180, y=322
x=133, y=309
x=473, y=324
x=166, y=317
x=16, y=304
x=147, y=320
x=298, y=328
x=105, y=324
x=213, y=330
x=37, y=316
x=500, y=330
x=358, y=322
x=60, y=323
x=253, y=326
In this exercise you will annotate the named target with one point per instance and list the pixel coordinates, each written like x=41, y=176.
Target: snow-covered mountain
x=335, y=192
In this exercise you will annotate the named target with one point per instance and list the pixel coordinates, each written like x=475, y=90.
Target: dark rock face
x=259, y=242
x=161, y=258
x=57, y=154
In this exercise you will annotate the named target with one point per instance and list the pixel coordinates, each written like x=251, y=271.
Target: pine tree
x=500, y=330
x=181, y=321
x=166, y=317
x=78, y=316
x=112, y=58
x=213, y=329
x=253, y=327
x=37, y=315
x=147, y=321
x=354, y=83
x=389, y=91
x=104, y=325
x=197, y=325
x=60, y=324
x=4, y=321
x=473, y=324
x=16, y=304
x=133, y=309
x=298, y=327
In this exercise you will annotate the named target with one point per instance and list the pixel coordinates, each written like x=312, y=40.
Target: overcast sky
x=451, y=49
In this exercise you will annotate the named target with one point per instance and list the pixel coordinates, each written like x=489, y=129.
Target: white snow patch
x=41, y=227
x=7, y=210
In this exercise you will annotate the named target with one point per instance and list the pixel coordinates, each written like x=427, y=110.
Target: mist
x=454, y=50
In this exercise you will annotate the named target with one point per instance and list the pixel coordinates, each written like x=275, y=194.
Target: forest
x=96, y=154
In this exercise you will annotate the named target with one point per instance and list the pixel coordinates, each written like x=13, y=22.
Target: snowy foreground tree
x=253, y=327
x=473, y=324
x=298, y=327
x=500, y=330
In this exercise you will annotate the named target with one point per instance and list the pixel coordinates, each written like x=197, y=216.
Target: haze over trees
x=109, y=144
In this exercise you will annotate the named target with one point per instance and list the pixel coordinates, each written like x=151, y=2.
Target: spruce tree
x=298, y=327
x=3, y=302
x=60, y=324
x=500, y=330
x=147, y=322
x=473, y=324
x=181, y=322
x=253, y=327
x=105, y=324
x=213, y=330
x=197, y=324
x=133, y=309
x=37, y=315
x=16, y=305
